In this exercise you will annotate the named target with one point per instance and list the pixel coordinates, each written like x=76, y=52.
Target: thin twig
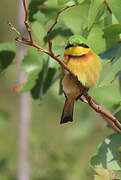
x=40, y=48
x=21, y=39
x=115, y=124
x=14, y=29
x=108, y=8
x=99, y=109
x=88, y=99
x=53, y=25
x=63, y=65
x=26, y=22
x=19, y=34
x=28, y=42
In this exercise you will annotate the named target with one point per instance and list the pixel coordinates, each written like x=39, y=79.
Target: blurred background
x=56, y=152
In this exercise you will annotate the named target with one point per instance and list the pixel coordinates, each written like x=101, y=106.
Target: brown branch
x=88, y=99
x=21, y=39
x=63, y=65
x=53, y=25
x=108, y=8
x=26, y=22
x=40, y=48
x=99, y=109
x=114, y=123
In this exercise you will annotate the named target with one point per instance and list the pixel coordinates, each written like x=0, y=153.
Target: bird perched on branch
x=86, y=65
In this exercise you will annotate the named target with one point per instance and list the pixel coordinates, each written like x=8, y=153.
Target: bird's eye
x=84, y=45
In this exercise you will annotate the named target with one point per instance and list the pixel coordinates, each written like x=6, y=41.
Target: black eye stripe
x=72, y=45
x=83, y=45
x=69, y=45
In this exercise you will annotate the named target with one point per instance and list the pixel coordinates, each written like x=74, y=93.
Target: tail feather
x=67, y=114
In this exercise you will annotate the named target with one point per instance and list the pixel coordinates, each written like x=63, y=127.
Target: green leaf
x=60, y=87
x=43, y=82
x=7, y=47
x=30, y=82
x=79, y=1
x=38, y=31
x=95, y=11
x=65, y=32
x=112, y=41
x=107, y=96
x=4, y=158
x=115, y=68
x=98, y=42
x=7, y=54
x=112, y=52
x=107, y=155
x=113, y=38
x=62, y=73
x=32, y=61
x=119, y=80
x=60, y=2
x=32, y=64
x=115, y=7
x=3, y=115
x=118, y=114
x=95, y=38
x=37, y=90
x=112, y=30
x=50, y=74
x=58, y=50
x=34, y=6
x=77, y=22
x=50, y=11
x=40, y=17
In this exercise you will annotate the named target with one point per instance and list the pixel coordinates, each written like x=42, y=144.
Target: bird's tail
x=67, y=114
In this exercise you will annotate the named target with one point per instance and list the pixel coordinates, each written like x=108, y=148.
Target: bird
x=86, y=65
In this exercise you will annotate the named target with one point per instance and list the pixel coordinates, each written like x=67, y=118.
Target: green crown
x=77, y=39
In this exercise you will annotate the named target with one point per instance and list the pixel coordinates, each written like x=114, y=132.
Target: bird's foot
x=82, y=92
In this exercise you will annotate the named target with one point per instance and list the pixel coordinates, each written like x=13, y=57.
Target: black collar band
x=76, y=56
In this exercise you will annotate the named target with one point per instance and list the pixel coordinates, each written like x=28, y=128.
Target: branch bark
x=89, y=100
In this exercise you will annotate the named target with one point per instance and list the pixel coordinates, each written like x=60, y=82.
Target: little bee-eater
x=86, y=65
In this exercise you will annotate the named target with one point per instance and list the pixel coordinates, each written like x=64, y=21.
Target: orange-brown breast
x=87, y=68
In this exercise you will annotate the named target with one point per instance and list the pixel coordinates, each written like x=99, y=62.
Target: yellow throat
x=83, y=63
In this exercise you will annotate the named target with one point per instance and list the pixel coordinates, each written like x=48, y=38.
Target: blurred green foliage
x=59, y=152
